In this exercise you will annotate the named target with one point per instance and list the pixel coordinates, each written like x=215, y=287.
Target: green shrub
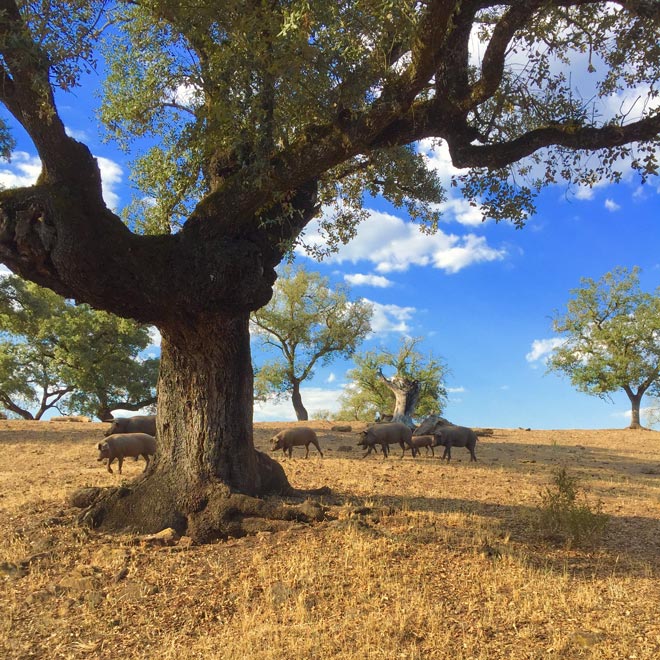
x=566, y=514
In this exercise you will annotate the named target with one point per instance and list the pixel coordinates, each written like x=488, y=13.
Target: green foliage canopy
x=225, y=91
x=612, y=338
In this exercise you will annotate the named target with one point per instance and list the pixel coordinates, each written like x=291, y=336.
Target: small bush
x=566, y=514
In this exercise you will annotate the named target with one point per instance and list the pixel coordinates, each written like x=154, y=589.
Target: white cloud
x=390, y=318
x=392, y=245
x=80, y=135
x=438, y=159
x=611, y=205
x=455, y=207
x=331, y=378
x=111, y=175
x=358, y=279
x=155, y=336
x=24, y=169
x=186, y=95
x=314, y=399
x=456, y=390
x=462, y=211
x=541, y=348
x=586, y=193
x=631, y=103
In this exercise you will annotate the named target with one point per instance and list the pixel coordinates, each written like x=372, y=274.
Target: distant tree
x=307, y=324
x=415, y=385
x=99, y=354
x=612, y=339
x=30, y=382
x=54, y=354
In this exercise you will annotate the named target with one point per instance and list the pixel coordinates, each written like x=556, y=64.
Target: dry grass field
x=416, y=558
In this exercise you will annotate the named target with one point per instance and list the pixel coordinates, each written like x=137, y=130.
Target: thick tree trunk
x=635, y=404
x=296, y=399
x=406, y=396
x=206, y=463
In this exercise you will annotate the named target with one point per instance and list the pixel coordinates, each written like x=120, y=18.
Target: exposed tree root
x=205, y=512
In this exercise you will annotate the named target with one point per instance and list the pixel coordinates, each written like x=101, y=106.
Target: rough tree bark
x=206, y=461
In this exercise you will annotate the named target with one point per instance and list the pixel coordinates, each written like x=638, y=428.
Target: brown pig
x=135, y=424
x=456, y=436
x=121, y=445
x=420, y=441
x=295, y=436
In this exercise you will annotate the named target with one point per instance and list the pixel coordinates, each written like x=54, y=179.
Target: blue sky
x=479, y=294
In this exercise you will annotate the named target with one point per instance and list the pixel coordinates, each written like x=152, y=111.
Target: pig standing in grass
x=386, y=435
x=121, y=445
x=296, y=436
x=456, y=436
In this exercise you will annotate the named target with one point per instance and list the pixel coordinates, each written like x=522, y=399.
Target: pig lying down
x=121, y=445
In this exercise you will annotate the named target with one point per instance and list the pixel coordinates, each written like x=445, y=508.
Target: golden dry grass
x=418, y=559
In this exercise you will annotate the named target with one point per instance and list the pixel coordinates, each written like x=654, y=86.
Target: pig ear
x=100, y=445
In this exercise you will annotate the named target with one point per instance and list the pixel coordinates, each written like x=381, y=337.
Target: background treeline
x=55, y=354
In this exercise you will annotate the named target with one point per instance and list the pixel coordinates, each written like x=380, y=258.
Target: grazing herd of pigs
x=135, y=436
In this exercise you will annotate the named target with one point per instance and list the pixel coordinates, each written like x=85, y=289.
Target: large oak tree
x=260, y=113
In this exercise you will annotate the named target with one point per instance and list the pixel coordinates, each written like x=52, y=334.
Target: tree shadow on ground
x=629, y=545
